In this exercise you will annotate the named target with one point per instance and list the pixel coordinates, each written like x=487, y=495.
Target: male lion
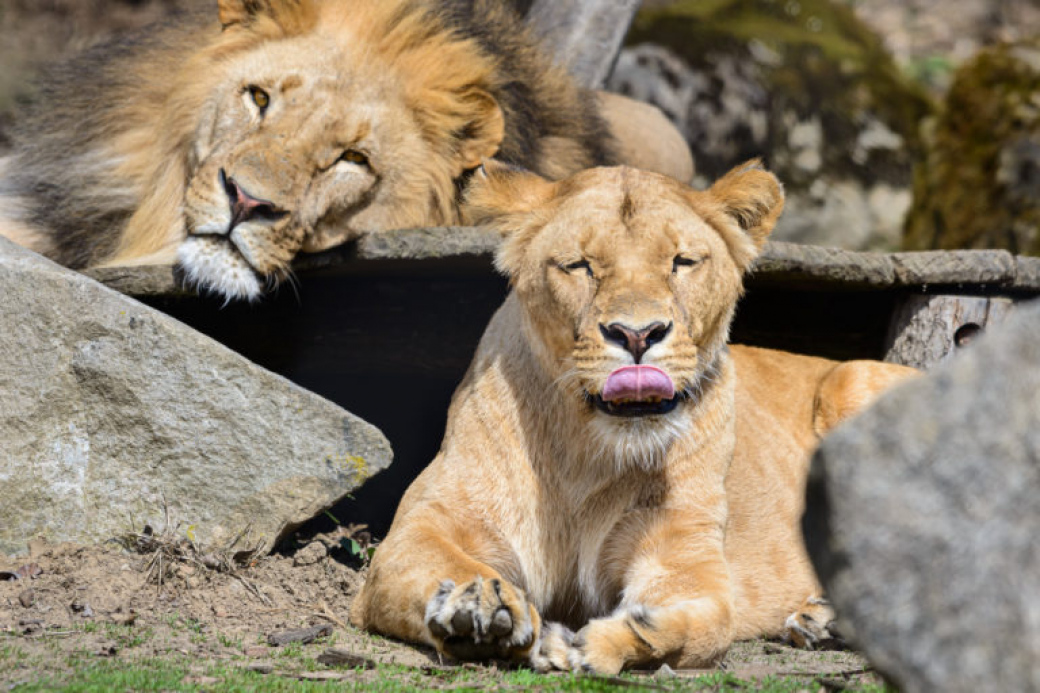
x=290, y=125
x=609, y=463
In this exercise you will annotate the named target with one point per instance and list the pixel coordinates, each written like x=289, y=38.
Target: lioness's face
x=310, y=142
x=628, y=280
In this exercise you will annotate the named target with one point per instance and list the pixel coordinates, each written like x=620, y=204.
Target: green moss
x=971, y=191
x=780, y=24
x=828, y=64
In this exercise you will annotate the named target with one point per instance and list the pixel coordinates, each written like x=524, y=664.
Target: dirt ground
x=64, y=606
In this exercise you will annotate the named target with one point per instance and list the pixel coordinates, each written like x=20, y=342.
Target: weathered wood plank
x=789, y=263
x=441, y=250
x=583, y=35
x=1027, y=273
x=927, y=330
x=423, y=244
x=980, y=268
x=145, y=280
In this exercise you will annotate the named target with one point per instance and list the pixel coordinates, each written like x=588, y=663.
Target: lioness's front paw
x=482, y=619
x=812, y=626
x=555, y=651
x=602, y=647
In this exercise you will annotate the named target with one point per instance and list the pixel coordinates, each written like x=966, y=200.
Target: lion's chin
x=214, y=265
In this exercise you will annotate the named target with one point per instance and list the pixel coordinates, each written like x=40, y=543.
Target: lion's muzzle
x=245, y=206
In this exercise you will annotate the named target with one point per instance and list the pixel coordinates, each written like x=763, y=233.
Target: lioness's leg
x=423, y=587
x=677, y=604
x=851, y=387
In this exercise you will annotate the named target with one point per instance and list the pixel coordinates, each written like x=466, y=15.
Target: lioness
x=609, y=463
x=290, y=125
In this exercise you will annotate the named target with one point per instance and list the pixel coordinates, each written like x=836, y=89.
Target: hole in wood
x=966, y=334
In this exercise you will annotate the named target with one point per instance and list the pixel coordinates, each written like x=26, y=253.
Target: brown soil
x=106, y=602
x=62, y=590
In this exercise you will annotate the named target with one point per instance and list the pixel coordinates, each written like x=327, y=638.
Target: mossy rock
x=813, y=58
x=979, y=185
x=804, y=84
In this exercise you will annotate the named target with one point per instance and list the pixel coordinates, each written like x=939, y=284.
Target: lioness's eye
x=683, y=261
x=260, y=97
x=353, y=156
x=579, y=265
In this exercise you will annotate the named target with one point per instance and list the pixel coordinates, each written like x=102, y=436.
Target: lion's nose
x=244, y=206
x=635, y=341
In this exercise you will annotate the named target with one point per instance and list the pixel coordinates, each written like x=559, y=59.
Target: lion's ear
x=232, y=12
x=753, y=197
x=483, y=134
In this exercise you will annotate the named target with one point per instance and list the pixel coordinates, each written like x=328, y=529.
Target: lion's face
x=311, y=140
x=628, y=282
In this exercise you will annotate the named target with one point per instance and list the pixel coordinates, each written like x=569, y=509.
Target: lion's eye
x=683, y=261
x=260, y=97
x=353, y=156
x=576, y=266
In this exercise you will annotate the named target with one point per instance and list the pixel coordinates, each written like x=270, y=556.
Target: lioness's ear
x=483, y=134
x=753, y=197
x=508, y=200
x=232, y=12
x=498, y=192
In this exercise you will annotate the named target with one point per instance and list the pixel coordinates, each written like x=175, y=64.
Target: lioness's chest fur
x=561, y=516
x=571, y=541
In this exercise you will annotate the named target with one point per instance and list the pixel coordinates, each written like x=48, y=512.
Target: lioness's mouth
x=634, y=408
x=637, y=391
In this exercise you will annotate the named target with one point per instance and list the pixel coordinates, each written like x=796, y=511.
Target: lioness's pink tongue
x=638, y=383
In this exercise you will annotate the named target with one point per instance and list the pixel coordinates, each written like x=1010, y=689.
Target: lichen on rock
x=978, y=185
x=803, y=84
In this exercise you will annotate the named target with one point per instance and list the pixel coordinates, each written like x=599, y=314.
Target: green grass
x=60, y=666
x=183, y=674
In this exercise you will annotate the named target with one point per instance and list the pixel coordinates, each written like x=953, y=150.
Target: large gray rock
x=924, y=520
x=804, y=85
x=109, y=410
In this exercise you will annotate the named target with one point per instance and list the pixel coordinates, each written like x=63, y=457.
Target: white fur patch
x=213, y=227
x=209, y=264
x=641, y=442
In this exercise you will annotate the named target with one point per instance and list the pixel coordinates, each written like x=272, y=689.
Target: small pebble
x=665, y=672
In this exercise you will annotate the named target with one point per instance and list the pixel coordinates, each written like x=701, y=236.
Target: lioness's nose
x=244, y=206
x=635, y=341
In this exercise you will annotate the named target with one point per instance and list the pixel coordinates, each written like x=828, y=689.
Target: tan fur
x=375, y=113
x=662, y=537
x=400, y=107
x=646, y=138
x=23, y=234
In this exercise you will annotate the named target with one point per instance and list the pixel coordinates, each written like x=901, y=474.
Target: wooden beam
x=927, y=330
x=584, y=36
